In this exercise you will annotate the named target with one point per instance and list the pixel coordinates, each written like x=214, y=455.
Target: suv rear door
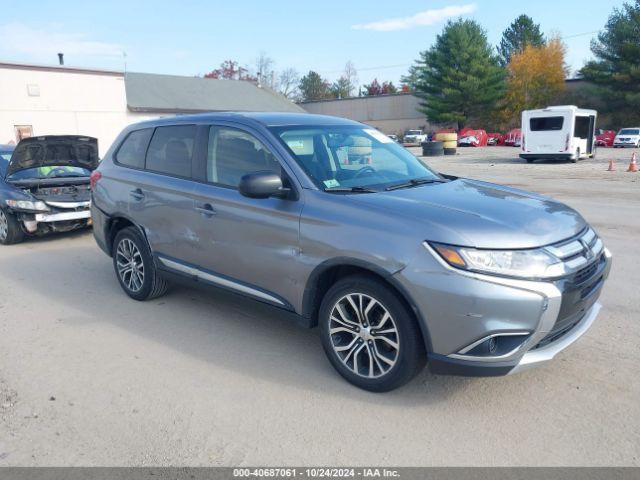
x=246, y=244
x=160, y=191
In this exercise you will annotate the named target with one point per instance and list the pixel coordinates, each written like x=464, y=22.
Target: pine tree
x=458, y=79
x=616, y=70
x=314, y=87
x=522, y=32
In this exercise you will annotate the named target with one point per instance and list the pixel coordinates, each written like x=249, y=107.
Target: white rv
x=564, y=132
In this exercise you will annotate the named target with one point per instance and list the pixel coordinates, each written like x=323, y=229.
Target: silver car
x=339, y=227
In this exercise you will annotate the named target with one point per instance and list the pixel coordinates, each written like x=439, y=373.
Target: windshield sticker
x=295, y=144
x=331, y=183
x=381, y=137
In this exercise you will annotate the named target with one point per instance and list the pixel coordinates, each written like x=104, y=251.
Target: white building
x=44, y=100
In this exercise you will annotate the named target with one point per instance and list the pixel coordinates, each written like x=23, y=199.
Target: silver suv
x=336, y=224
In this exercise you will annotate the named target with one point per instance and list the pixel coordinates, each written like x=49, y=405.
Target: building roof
x=147, y=92
x=60, y=68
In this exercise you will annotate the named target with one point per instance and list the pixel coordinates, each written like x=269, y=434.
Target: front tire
x=134, y=266
x=369, y=335
x=10, y=230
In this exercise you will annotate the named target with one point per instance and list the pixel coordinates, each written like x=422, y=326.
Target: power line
x=386, y=67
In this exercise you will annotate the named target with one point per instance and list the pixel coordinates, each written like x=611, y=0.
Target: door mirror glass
x=263, y=184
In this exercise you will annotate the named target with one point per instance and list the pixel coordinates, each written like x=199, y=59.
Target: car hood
x=54, y=150
x=478, y=214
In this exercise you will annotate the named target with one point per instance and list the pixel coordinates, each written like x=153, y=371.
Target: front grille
x=585, y=273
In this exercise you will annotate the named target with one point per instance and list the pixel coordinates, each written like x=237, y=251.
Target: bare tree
x=288, y=81
x=351, y=75
x=264, y=70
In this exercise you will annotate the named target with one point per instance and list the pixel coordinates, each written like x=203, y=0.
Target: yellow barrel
x=447, y=137
x=450, y=144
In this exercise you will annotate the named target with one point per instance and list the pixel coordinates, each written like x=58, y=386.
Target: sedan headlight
x=37, y=205
x=535, y=263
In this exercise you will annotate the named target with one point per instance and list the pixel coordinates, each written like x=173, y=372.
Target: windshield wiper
x=350, y=189
x=414, y=182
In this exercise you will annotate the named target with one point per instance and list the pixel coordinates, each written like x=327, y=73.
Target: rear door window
x=543, y=124
x=132, y=151
x=171, y=150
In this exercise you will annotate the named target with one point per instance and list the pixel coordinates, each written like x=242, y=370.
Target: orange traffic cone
x=612, y=166
x=633, y=166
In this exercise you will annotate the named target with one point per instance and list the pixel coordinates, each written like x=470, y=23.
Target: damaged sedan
x=44, y=186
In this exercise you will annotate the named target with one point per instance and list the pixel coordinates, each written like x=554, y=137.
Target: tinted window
x=546, y=123
x=233, y=153
x=171, y=149
x=582, y=127
x=131, y=152
x=629, y=131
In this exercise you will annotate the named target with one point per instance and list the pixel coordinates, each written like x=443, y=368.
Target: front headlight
x=535, y=263
x=37, y=205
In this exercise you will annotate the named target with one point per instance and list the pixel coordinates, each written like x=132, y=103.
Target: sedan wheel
x=364, y=335
x=4, y=227
x=10, y=229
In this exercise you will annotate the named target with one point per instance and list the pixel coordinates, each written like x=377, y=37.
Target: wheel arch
x=117, y=223
x=330, y=271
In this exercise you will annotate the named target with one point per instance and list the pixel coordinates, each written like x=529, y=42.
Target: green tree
x=616, y=70
x=458, y=79
x=314, y=87
x=522, y=32
x=341, y=88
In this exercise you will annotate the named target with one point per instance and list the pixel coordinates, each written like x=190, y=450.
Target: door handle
x=137, y=194
x=206, y=209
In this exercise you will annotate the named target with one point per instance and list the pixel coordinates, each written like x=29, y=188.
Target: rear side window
x=171, y=150
x=542, y=124
x=131, y=152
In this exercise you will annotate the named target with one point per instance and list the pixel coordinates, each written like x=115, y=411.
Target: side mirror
x=263, y=184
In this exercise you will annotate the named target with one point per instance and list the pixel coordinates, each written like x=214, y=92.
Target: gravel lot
x=89, y=377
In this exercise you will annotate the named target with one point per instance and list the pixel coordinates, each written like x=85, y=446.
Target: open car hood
x=54, y=150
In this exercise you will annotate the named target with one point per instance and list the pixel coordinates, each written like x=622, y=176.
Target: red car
x=513, y=138
x=469, y=137
x=604, y=138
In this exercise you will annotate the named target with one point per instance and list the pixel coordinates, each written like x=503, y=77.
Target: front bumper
x=460, y=309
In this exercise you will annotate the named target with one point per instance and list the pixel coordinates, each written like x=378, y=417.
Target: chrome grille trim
x=578, y=252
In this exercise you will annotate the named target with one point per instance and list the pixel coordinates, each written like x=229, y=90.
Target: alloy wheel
x=130, y=265
x=4, y=226
x=364, y=335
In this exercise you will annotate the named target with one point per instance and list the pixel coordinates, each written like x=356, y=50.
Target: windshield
x=629, y=131
x=62, y=171
x=414, y=132
x=346, y=156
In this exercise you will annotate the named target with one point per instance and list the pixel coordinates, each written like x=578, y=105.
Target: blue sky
x=192, y=37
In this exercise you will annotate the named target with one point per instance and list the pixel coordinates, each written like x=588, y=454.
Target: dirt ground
x=89, y=377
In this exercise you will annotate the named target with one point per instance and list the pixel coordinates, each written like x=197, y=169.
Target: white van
x=564, y=132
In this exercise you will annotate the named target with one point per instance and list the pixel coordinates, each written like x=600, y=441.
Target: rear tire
x=10, y=230
x=134, y=266
x=376, y=348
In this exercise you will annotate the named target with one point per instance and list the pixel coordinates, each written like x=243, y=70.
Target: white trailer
x=563, y=132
